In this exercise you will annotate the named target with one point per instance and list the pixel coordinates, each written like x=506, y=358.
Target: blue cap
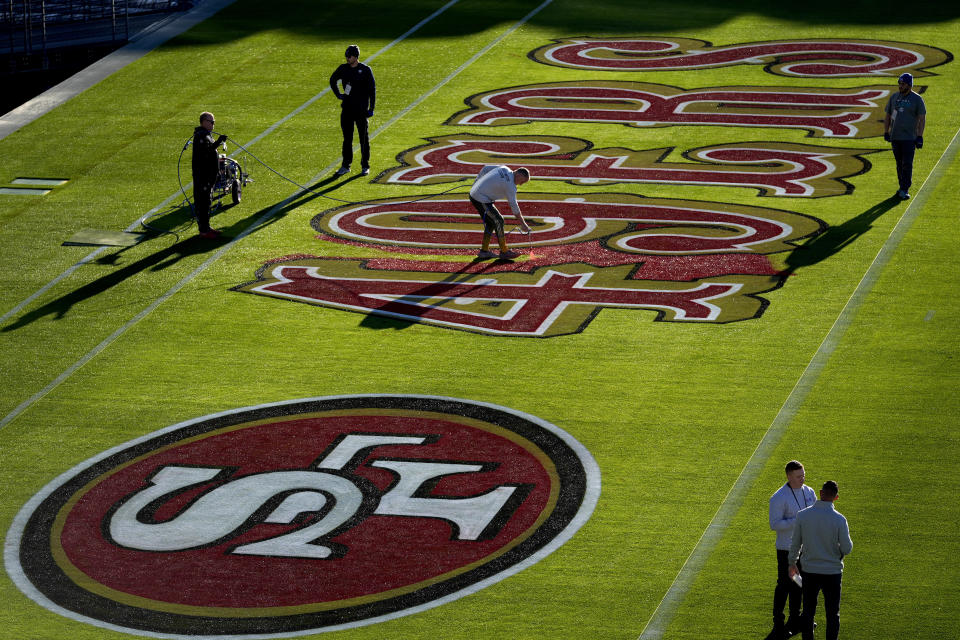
x=906, y=77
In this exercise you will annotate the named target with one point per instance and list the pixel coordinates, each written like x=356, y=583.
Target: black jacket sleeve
x=333, y=83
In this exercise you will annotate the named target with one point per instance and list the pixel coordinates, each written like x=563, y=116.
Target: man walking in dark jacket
x=357, y=100
x=206, y=166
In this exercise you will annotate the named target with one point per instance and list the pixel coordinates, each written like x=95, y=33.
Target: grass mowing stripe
x=371, y=58
x=133, y=225
x=662, y=616
x=266, y=216
x=410, y=107
x=460, y=69
x=85, y=260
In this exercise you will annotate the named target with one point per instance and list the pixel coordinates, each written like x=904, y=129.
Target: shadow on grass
x=171, y=255
x=835, y=239
x=384, y=19
x=386, y=315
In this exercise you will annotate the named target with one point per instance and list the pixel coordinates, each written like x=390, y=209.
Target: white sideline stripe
x=119, y=332
x=136, y=50
x=665, y=611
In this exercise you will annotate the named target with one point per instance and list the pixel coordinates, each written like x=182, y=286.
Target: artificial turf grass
x=661, y=405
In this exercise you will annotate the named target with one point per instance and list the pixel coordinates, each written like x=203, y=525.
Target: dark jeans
x=350, y=118
x=492, y=218
x=202, y=195
x=903, y=152
x=786, y=588
x=813, y=584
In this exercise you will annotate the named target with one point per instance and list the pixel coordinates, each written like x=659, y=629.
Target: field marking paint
x=665, y=611
x=26, y=404
x=136, y=223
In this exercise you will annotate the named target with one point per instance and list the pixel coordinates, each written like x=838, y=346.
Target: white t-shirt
x=495, y=182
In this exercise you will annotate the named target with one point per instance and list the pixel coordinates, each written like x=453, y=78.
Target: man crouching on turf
x=497, y=182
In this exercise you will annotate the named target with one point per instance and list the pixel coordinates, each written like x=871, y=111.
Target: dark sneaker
x=365, y=171
x=485, y=255
x=509, y=255
x=212, y=234
x=341, y=171
x=793, y=630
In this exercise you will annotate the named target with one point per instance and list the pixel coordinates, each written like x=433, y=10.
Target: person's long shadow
x=412, y=305
x=835, y=239
x=170, y=255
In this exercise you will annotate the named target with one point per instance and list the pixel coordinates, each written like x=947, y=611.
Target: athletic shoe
x=509, y=255
x=341, y=171
x=486, y=255
x=903, y=194
x=365, y=171
x=212, y=234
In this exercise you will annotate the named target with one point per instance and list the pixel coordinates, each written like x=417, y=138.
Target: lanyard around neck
x=795, y=499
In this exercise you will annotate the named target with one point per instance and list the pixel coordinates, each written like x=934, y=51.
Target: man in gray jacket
x=785, y=504
x=821, y=532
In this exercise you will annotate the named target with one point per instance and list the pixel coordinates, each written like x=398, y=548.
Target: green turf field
x=842, y=354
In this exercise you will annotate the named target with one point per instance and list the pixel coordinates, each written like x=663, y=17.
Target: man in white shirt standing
x=788, y=500
x=497, y=182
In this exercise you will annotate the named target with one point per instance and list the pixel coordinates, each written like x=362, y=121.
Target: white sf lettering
x=220, y=513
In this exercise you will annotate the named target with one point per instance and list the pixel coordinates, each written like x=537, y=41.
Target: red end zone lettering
x=846, y=113
x=549, y=301
x=687, y=261
x=624, y=224
x=818, y=58
x=775, y=169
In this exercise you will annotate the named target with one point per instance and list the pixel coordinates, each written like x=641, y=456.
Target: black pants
x=903, y=152
x=786, y=589
x=202, y=195
x=813, y=584
x=350, y=118
x=492, y=218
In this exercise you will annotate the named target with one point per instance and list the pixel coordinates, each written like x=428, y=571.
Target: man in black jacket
x=356, y=105
x=206, y=166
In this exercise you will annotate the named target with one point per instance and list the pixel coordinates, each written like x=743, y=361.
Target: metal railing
x=34, y=26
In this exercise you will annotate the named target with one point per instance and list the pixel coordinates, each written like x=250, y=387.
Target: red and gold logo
x=302, y=516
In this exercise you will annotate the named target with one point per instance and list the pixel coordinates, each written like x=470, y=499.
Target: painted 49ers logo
x=303, y=516
x=688, y=261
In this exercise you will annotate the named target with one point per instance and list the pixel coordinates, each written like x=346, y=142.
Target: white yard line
x=259, y=221
x=665, y=611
